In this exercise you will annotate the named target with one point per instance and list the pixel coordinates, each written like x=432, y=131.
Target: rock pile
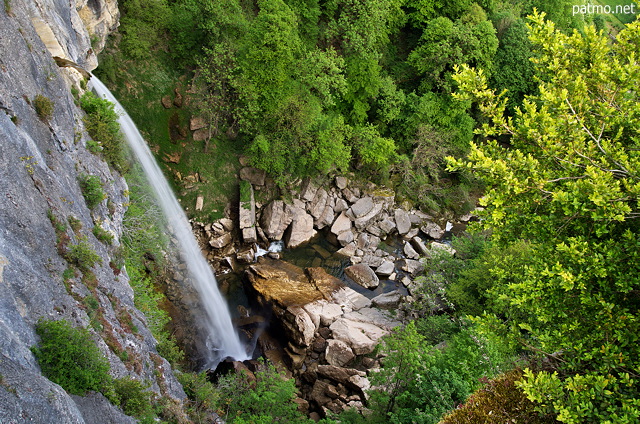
x=327, y=325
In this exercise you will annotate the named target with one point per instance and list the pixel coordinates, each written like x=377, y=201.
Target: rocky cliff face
x=40, y=163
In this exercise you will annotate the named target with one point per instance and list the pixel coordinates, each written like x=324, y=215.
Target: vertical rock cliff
x=41, y=160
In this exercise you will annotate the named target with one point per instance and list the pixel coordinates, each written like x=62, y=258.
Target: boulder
x=167, y=102
x=385, y=269
x=325, y=218
x=348, y=250
x=249, y=235
x=375, y=316
x=196, y=123
x=275, y=219
x=363, y=221
x=323, y=312
x=410, y=252
x=341, y=224
x=253, y=175
x=301, y=229
x=359, y=336
x=433, y=230
x=308, y=190
x=389, y=300
x=341, y=205
x=349, y=299
x=403, y=223
x=362, y=207
x=201, y=134
x=387, y=225
x=419, y=246
x=317, y=205
x=221, y=241
x=341, y=182
x=363, y=275
x=411, y=266
x=199, y=203
x=350, y=196
x=345, y=238
x=338, y=353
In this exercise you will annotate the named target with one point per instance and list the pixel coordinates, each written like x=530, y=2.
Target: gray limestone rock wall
x=40, y=163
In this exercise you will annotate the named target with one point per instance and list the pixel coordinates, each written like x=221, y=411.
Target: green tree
x=568, y=185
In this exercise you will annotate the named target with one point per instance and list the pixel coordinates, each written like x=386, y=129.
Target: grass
x=140, y=86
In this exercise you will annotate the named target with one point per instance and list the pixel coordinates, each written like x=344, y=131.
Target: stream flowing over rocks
x=324, y=328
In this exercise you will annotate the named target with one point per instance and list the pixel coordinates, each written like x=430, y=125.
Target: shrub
x=132, y=396
x=75, y=223
x=102, y=234
x=91, y=187
x=500, y=401
x=82, y=255
x=43, y=106
x=102, y=125
x=69, y=357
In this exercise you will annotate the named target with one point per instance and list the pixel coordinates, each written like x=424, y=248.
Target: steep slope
x=41, y=161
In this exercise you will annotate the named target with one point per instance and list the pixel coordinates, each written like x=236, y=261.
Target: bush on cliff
x=69, y=357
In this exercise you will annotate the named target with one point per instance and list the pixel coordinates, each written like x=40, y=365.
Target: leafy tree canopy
x=567, y=182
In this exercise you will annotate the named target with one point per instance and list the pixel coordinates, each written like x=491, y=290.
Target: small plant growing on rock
x=44, y=107
x=83, y=256
x=103, y=235
x=69, y=357
x=92, y=191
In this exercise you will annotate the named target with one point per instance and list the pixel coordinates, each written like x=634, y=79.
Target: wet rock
x=363, y=274
x=338, y=353
x=403, y=223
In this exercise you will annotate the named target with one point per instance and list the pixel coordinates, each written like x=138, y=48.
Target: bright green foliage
x=201, y=392
x=102, y=125
x=143, y=22
x=44, y=107
x=266, y=400
x=69, y=357
x=133, y=397
x=445, y=43
x=92, y=191
x=568, y=186
x=82, y=255
x=419, y=382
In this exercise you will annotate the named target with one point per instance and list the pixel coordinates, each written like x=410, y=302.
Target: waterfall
x=222, y=338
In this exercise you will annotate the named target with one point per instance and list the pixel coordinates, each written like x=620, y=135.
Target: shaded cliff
x=42, y=158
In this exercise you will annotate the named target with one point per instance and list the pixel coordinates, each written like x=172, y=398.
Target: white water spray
x=222, y=337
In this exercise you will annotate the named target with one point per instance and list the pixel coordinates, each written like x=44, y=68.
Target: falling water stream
x=222, y=338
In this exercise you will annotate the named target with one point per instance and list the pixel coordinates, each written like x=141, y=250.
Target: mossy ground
x=140, y=87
